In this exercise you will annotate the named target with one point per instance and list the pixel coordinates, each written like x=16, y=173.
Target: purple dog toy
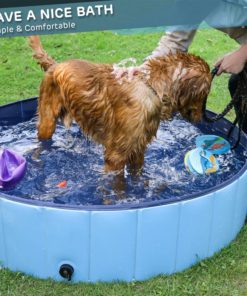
x=12, y=168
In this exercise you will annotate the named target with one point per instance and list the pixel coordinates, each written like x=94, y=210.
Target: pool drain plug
x=66, y=271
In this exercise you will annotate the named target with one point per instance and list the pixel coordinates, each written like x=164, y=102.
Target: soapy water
x=73, y=158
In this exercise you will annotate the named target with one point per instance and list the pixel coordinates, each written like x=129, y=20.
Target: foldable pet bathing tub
x=124, y=242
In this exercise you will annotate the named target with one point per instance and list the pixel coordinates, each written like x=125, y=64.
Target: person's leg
x=233, y=83
x=245, y=123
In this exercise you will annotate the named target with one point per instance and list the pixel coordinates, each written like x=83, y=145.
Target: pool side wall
x=121, y=245
x=118, y=244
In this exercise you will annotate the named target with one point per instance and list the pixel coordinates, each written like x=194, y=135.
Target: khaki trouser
x=181, y=40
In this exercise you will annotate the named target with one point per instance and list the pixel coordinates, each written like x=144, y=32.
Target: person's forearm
x=173, y=42
x=170, y=43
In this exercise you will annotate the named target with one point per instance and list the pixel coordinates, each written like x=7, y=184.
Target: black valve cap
x=66, y=271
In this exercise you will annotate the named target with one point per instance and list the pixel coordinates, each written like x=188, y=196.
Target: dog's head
x=182, y=81
x=190, y=94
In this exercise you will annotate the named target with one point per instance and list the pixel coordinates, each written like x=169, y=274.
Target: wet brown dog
x=123, y=117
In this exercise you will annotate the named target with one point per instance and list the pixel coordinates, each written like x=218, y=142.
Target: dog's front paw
x=44, y=134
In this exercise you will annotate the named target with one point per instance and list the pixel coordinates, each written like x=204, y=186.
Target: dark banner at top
x=60, y=16
x=23, y=3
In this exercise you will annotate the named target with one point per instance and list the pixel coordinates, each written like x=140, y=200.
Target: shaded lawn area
x=225, y=273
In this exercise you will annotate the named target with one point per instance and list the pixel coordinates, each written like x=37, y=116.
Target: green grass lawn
x=20, y=76
x=225, y=273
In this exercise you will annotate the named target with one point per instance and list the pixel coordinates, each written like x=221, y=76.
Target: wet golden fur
x=123, y=117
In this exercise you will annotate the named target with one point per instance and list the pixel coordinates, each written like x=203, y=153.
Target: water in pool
x=71, y=157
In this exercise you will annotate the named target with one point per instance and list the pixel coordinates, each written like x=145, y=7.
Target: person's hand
x=127, y=72
x=233, y=62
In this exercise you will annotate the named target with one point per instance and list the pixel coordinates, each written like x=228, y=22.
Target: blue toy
x=202, y=160
x=214, y=144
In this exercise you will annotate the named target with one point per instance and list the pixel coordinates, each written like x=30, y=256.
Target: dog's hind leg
x=115, y=162
x=49, y=108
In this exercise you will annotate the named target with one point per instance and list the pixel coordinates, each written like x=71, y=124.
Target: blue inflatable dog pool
x=118, y=241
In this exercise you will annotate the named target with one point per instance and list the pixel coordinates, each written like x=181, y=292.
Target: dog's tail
x=44, y=60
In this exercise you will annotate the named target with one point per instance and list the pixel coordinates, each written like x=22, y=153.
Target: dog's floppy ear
x=191, y=73
x=159, y=87
x=157, y=72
